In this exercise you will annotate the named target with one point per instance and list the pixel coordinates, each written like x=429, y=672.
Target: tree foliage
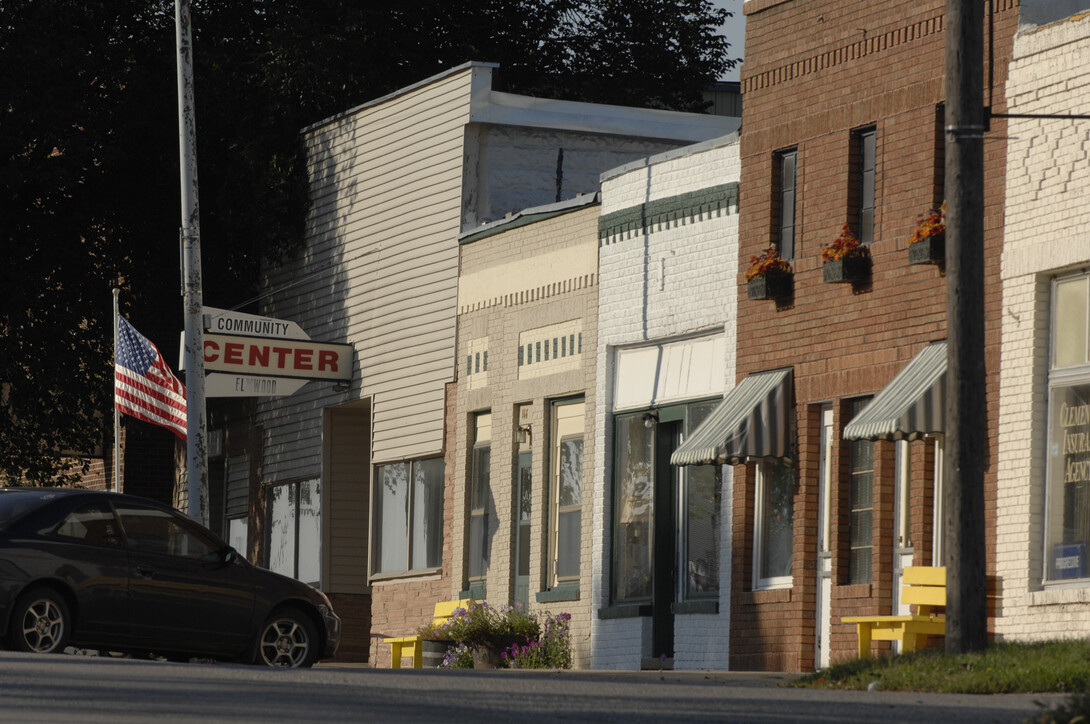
x=89, y=153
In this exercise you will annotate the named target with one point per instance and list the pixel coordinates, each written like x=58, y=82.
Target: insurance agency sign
x=246, y=355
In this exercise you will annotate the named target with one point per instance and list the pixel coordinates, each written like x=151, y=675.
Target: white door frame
x=938, y=526
x=823, y=609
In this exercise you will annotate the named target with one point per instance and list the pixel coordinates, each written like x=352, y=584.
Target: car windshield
x=14, y=503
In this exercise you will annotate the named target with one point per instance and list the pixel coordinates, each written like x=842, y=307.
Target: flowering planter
x=774, y=285
x=487, y=656
x=929, y=250
x=433, y=652
x=848, y=270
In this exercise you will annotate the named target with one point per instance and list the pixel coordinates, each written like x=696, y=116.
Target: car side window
x=94, y=523
x=159, y=531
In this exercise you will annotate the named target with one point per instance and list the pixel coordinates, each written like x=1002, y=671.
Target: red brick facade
x=815, y=73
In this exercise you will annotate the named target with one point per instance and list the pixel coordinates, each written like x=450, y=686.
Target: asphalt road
x=91, y=689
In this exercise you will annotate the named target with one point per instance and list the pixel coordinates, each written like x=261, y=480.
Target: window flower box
x=930, y=250
x=928, y=242
x=847, y=260
x=773, y=285
x=849, y=270
x=769, y=276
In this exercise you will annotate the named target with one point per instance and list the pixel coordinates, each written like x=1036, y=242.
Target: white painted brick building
x=1042, y=522
x=667, y=304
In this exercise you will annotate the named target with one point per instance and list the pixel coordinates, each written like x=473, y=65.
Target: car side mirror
x=229, y=556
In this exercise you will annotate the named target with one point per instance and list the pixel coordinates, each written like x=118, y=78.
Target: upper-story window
x=785, y=168
x=864, y=151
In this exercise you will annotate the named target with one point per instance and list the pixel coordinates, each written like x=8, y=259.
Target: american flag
x=144, y=386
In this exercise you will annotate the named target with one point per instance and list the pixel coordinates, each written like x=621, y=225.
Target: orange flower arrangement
x=930, y=224
x=769, y=262
x=846, y=245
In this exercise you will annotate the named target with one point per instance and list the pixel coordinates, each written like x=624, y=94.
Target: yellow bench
x=401, y=646
x=924, y=587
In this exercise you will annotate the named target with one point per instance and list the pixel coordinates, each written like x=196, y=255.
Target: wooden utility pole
x=966, y=408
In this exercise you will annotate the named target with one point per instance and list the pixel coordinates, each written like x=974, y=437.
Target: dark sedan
x=119, y=573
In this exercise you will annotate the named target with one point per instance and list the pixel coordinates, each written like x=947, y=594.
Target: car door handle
x=145, y=572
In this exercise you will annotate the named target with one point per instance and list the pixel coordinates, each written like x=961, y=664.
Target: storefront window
x=409, y=530
x=295, y=530
x=703, y=496
x=689, y=537
x=775, y=524
x=566, y=492
x=861, y=503
x=633, y=501
x=480, y=472
x=1068, y=486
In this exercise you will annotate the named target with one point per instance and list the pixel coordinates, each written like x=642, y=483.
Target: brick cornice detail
x=534, y=294
x=843, y=54
x=854, y=51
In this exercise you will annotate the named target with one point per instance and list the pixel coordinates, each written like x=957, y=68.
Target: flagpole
x=196, y=421
x=117, y=413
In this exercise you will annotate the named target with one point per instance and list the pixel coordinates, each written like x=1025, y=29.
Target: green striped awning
x=752, y=421
x=912, y=405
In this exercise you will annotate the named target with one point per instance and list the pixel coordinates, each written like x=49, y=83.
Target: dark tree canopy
x=89, y=153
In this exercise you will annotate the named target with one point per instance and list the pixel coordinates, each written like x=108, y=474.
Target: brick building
x=523, y=490
x=1043, y=525
x=666, y=329
x=844, y=125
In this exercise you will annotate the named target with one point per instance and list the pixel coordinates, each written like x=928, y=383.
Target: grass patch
x=1005, y=668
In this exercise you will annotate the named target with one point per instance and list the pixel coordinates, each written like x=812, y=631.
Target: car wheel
x=288, y=639
x=40, y=623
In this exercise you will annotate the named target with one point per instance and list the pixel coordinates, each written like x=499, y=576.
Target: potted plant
x=928, y=242
x=434, y=643
x=482, y=633
x=769, y=275
x=846, y=260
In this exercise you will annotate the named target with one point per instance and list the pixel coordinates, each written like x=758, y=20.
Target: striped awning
x=912, y=405
x=752, y=421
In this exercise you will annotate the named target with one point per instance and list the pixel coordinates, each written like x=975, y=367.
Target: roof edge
x=469, y=65
x=529, y=216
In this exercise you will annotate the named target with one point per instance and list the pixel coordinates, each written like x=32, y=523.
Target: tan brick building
x=523, y=485
x=844, y=125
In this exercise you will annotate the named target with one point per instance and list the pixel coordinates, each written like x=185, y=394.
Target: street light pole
x=966, y=411
x=196, y=422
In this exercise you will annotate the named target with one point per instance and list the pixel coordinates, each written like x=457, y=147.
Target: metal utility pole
x=196, y=422
x=966, y=409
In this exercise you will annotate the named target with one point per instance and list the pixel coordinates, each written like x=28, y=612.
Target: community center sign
x=247, y=355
